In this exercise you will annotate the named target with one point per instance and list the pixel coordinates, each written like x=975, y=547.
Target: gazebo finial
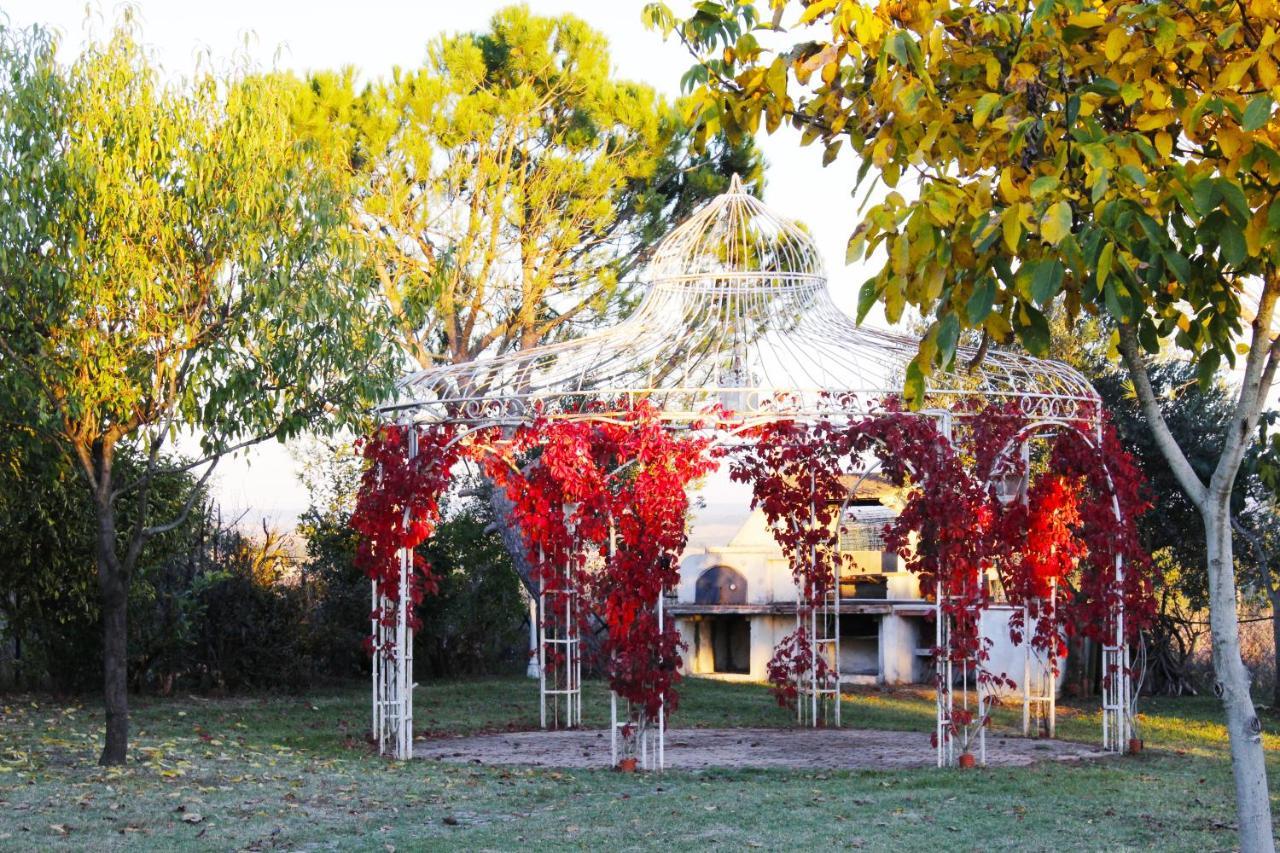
x=735, y=242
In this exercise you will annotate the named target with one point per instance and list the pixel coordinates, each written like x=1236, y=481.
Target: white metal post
x=1026, y=671
x=542, y=645
x=613, y=729
x=799, y=681
x=662, y=707
x=376, y=638
x=534, y=665
x=1052, y=672
x=942, y=631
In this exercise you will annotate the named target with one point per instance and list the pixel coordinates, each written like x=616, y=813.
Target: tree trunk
x=512, y=538
x=1275, y=650
x=1244, y=730
x=114, y=588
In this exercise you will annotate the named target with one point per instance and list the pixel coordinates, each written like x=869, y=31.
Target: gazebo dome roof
x=735, y=242
x=737, y=312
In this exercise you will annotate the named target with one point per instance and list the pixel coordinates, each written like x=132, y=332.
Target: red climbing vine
x=603, y=506
x=601, y=495
x=397, y=509
x=971, y=507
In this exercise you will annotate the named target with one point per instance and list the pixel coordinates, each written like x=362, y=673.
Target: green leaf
x=983, y=108
x=853, y=249
x=898, y=48
x=1231, y=240
x=1258, y=113
x=1072, y=34
x=1072, y=111
x=986, y=242
x=1043, y=10
x=1100, y=186
x=1047, y=281
x=1043, y=184
x=1104, y=86
x=948, y=337
x=1179, y=264
x=1003, y=269
x=867, y=296
x=1034, y=333
x=911, y=95
x=914, y=57
x=1205, y=195
x=913, y=386
x=1207, y=369
x=1133, y=173
x=1147, y=336
x=1235, y=199
x=862, y=173
x=979, y=304
x=1115, y=301
x=1105, y=258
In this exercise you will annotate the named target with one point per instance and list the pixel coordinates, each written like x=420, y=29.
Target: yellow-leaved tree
x=509, y=191
x=1121, y=158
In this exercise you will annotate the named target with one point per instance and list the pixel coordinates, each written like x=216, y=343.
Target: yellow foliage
x=1135, y=144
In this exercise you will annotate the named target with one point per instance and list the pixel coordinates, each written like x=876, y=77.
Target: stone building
x=737, y=600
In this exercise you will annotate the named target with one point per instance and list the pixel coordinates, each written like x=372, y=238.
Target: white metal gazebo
x=736, y=313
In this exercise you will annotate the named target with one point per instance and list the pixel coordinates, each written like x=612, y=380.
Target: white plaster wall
x=723, y=530
x=1008, y=657
x=902, y=584
x=898, y=643
x=766, y=633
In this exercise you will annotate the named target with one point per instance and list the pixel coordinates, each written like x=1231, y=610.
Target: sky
x=376, y=35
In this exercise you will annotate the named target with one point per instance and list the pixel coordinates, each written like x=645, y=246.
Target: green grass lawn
x=296, y=773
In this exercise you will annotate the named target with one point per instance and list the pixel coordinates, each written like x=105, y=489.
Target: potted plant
x=968, y=726
x=1135, y=735
x=629, y=748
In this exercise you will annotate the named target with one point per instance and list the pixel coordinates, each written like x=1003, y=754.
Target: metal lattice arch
x=736, y=311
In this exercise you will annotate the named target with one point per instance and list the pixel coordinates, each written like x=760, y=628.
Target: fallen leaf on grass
x=192, y=817
x=60, y=828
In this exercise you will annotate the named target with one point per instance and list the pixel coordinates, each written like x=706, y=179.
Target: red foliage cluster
x=602, y=505
x=1062, y=538
x=398, y=507
x=795, y=470
x=942, y=532
x=1117, y=488
x=603, y=509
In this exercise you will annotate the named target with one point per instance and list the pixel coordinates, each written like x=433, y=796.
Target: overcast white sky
x=376, y=35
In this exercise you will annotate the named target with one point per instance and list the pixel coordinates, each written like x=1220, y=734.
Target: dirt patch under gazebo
x=697, y=749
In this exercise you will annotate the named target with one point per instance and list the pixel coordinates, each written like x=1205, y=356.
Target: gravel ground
x=694, y=749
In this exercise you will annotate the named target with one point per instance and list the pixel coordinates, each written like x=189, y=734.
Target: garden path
x=696, y=749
